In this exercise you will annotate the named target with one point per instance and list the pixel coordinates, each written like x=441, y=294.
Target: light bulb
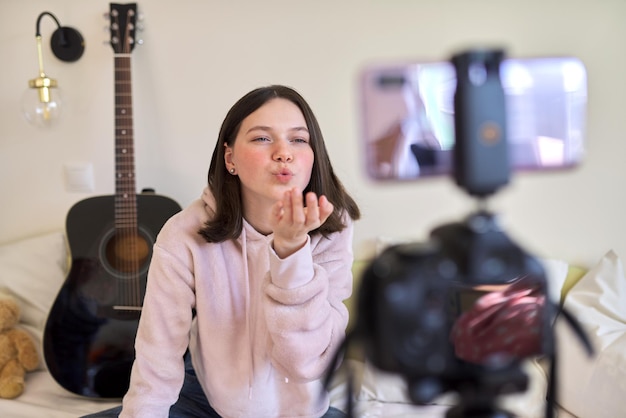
x=42, y=102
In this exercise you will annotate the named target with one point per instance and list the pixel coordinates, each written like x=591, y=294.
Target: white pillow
x=33, y=270
x=556, y=273
x=595, y=387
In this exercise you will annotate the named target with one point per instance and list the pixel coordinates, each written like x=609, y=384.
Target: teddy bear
x=18, y=352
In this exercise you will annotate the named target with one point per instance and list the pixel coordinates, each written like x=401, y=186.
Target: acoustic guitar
x=90, y=331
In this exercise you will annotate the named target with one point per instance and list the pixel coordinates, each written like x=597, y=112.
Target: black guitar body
x=90, y=332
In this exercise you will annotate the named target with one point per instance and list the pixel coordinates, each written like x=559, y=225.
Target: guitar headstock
x=123, y=27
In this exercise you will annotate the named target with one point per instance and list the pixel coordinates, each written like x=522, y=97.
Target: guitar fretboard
x=125, y=186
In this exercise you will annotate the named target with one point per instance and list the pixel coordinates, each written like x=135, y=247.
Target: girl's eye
x=301, y=140
x=261, y=139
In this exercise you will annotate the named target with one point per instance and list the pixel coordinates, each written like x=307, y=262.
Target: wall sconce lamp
x=40, y=106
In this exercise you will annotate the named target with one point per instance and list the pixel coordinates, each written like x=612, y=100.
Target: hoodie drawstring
x=247, y=296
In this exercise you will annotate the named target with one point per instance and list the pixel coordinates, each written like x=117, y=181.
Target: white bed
x=34, y=268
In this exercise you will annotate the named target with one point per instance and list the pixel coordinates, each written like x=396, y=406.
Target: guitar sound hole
x=127, y=253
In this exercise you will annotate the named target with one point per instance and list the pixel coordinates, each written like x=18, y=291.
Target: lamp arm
x=67, y=43
x=38, y=38
x=37, y=31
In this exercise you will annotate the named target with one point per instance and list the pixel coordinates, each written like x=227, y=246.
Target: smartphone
x=407, y=115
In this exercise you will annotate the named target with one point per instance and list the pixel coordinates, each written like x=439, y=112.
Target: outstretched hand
x=292, y=220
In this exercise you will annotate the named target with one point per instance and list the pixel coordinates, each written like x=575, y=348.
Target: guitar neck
x=125, y=186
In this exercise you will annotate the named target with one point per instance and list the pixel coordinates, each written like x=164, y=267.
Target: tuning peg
x=109, y=28
x=139, y=41
x=140, y=27
x=106, y=16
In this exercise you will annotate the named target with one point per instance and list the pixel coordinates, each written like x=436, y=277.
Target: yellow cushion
x=574, y=274
x=358, y=267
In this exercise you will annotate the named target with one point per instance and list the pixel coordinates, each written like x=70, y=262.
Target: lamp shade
x=41, y=106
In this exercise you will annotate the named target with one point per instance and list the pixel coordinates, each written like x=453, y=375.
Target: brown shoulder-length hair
x=228, y=220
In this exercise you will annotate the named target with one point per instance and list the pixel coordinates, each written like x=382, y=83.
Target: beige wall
x=198, y=57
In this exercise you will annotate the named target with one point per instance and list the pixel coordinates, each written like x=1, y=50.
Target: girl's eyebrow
x=269, y=129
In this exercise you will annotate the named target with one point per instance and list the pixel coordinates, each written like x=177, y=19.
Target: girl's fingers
x=293, y=211
x=297, y=206
x=279, y=209
x=287, y=207
x=325, y=209
x=312, y=209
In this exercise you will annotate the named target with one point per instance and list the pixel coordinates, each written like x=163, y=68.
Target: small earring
x=232, y=171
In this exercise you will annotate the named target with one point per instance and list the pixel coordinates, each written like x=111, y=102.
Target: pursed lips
x=283, y=175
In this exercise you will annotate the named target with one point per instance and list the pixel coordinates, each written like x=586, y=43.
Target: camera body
x=412, y=295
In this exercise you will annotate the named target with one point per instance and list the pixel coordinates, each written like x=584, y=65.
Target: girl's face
x=271, y=153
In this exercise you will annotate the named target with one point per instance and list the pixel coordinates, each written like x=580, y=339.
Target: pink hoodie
x=265, y=330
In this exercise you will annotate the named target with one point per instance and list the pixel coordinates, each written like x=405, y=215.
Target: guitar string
x=137, y=281
x=131, y=194
x=126, y=154
x=129, y=293
x=123, y=227
x=119, y=145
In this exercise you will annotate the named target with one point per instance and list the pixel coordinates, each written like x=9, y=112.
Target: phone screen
x=407, y=115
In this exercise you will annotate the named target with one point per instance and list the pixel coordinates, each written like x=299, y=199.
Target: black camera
x=413, y=296
x=462, y=311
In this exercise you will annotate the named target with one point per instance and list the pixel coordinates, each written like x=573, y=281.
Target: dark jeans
x=192, y=401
